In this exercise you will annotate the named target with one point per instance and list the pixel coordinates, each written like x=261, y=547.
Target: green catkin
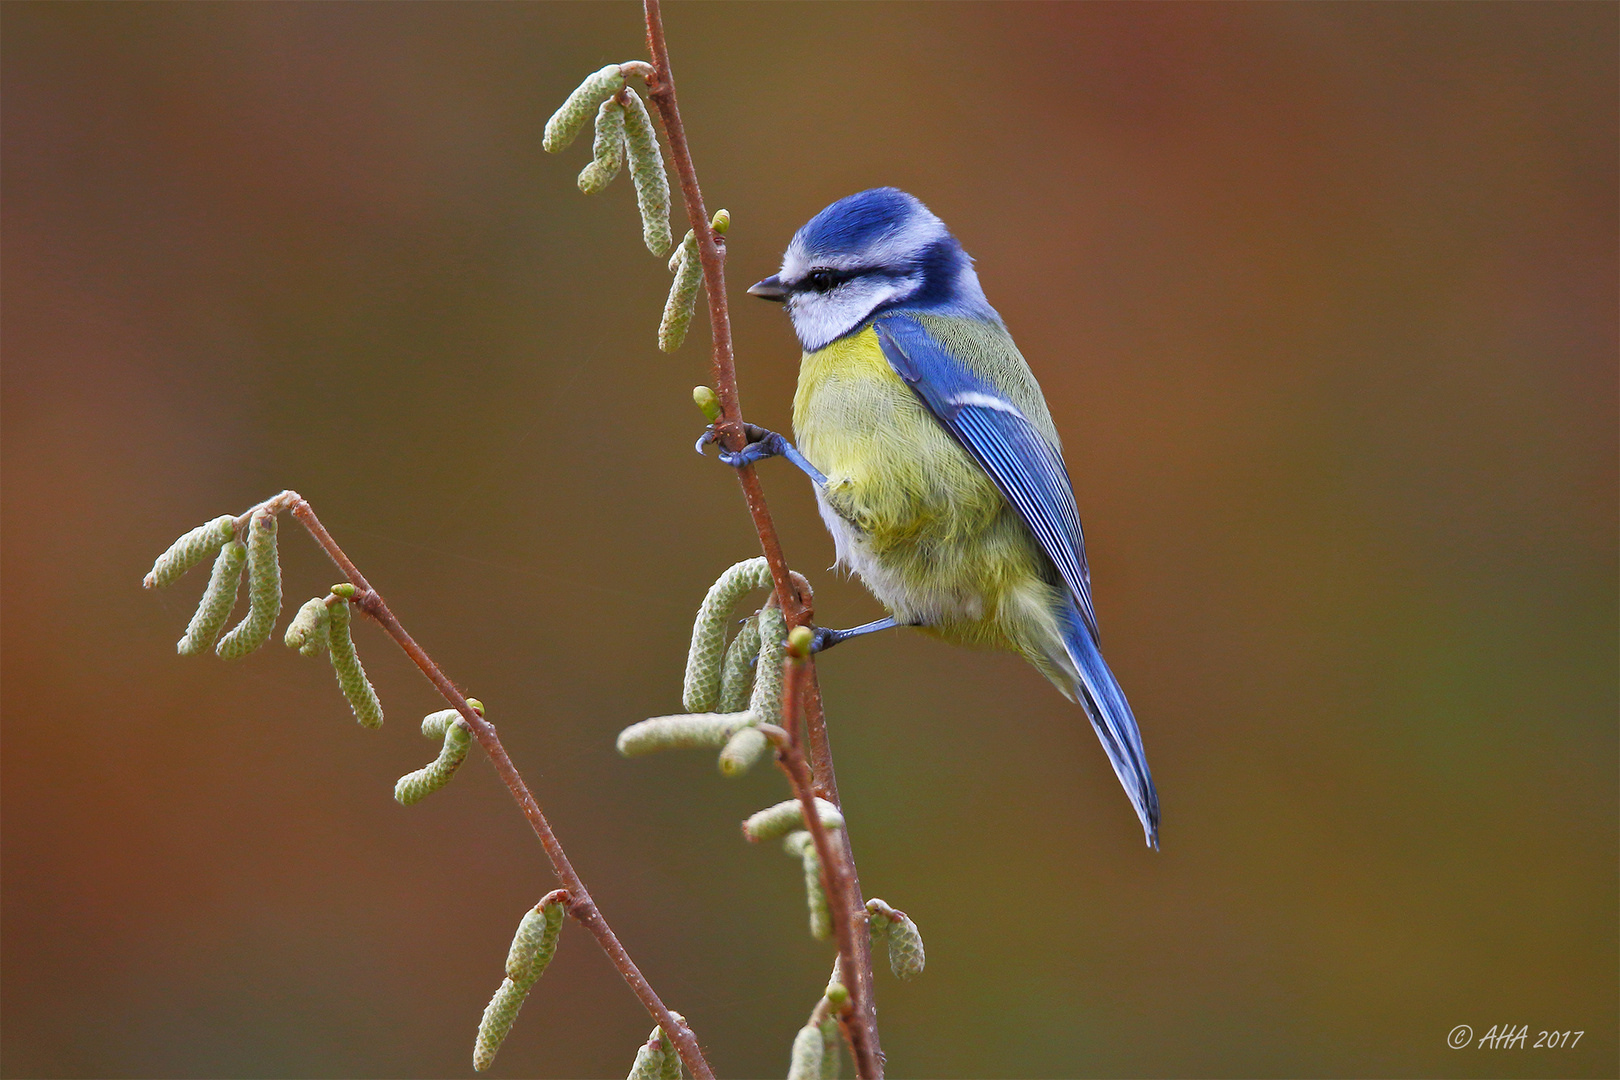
x=217, y=600
x=906, y=956
x=802, y=845
x=743, y=751
x=735, y=732
x=895, y=928
x=877, y=919
x=701, y=691
x=648, y=1064
x=499, y=1015
x=748, y=746
x=647, y=171
x=413, y=787
x=829, y=1049
x=264, y=591
x=670, y=1069
x=351, y=675
x=567, y=122
x=737, y=673
x=686, y=731
x=535, y=942
x=682, y=301
x=307, y=631
x=766, y=701
x=533, y=946
x=189, y=550
x=785, y=817
x=808, y=1050
x=607, y=151
x=435, y=724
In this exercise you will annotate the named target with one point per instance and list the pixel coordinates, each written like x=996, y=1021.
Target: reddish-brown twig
x=580, y=904
x=830, y=852
x=847, y=906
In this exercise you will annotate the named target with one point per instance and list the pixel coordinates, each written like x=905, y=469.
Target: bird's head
x=870, y=252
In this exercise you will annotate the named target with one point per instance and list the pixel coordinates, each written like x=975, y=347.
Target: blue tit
x=936, y=464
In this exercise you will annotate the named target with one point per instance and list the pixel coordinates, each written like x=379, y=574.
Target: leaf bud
x=707, y=402
x=799, y=640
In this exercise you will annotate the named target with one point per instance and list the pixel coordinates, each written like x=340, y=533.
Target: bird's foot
x=825, y=637
x=762, y=443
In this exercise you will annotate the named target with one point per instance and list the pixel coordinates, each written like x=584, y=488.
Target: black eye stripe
x=824, y=279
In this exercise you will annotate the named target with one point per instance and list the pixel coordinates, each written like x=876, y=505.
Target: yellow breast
x=893, y=470
x=909, y=510
x=850, y=406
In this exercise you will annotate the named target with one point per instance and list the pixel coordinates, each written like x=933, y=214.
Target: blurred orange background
x=1323, y=298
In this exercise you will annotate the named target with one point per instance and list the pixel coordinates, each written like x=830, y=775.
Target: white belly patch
x=908, y=602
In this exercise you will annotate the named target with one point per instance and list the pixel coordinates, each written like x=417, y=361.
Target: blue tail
x=1111, y=716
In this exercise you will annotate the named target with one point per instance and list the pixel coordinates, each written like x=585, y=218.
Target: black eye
x=820, y=280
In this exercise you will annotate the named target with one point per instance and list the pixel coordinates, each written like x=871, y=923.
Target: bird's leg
x=762, y=444
x=826, y=637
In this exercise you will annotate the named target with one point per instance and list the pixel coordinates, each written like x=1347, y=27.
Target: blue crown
x=856, y=221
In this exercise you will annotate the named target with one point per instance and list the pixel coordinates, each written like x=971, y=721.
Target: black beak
x=769, y=289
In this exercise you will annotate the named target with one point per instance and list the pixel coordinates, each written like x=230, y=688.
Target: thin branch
x=849, y=906
x=580, y=904
x=835, y=875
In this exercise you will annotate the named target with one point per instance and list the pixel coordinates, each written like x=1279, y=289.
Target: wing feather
x=1025, y=467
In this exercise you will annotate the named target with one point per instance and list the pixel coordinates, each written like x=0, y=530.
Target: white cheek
x=820, y=318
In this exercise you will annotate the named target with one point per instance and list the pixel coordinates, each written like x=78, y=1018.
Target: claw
x=762, y=444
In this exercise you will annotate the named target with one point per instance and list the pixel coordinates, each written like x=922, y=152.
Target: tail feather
x=1110, y=714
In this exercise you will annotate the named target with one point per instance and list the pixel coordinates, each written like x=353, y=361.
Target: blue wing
x=1024, y=466
x=1029, y=471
